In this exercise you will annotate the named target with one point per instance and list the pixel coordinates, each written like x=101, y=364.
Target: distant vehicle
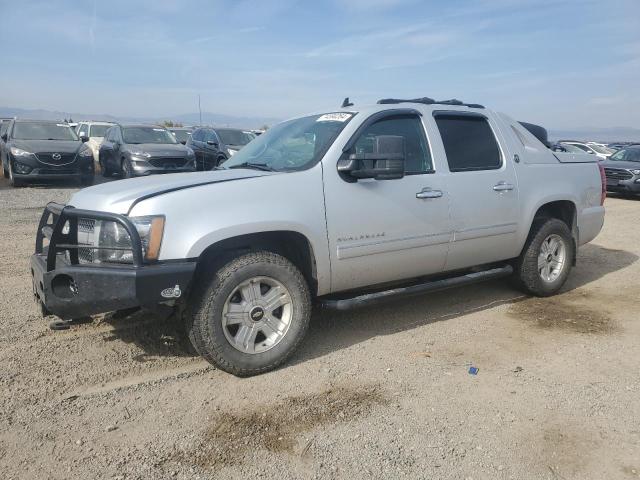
x=182, y=134
x=135, y=150
x=622, y=170
x=44, y=150
x=213, y=146
x=620, y=145
x=591, y=149
x=4, y=124
x=95, y=132
x=565, y=147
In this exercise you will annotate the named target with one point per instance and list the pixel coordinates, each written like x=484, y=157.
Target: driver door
x=387, y=230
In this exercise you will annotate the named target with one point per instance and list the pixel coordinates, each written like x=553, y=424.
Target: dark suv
x=136, y=150
x=213, y=146
x=44, y=150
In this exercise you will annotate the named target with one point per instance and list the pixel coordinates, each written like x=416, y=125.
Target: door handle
x=503, y=187
x=428, y=193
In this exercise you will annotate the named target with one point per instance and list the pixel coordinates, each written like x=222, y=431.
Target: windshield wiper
x=255, y=166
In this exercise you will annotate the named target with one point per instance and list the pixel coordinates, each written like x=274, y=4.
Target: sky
x=559, y=63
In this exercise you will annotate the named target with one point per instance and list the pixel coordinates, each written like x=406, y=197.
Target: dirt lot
x=375, y=393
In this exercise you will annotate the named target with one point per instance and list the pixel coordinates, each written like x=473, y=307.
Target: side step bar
x=379, y=297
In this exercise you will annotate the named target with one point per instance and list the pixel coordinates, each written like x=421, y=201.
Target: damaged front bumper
x=69, y=289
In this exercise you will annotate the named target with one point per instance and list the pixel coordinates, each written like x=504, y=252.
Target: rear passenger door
x=483, y=189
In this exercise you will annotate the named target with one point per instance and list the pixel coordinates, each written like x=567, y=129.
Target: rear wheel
x=252, y=314
x=546, y=259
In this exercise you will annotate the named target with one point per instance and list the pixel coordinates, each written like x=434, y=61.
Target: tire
x=537, y=271
x=106, y=172
x=126, y=170
x=86, y=180
x=220, y=313
x=12, y=181
x=5, y=172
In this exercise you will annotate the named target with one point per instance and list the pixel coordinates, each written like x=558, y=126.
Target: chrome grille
x=168, y=162
x=618, y=173
x=54, y=158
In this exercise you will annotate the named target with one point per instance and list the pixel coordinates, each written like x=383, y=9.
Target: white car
x=95, y=132
x=592, y=148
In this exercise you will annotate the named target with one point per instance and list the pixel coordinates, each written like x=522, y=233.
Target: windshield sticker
x=334, y=117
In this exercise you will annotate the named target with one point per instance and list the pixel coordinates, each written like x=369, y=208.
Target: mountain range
x=610, y=134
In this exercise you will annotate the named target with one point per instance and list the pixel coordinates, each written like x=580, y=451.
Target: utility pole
x=199, y=109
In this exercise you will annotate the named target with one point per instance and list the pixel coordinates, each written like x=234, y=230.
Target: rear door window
x=468, y=141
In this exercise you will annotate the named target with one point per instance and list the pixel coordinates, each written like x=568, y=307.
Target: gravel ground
x=374, y=393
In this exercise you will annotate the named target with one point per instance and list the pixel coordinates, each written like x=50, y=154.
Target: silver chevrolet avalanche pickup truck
x=343, y=208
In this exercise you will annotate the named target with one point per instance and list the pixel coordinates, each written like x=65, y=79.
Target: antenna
x=199, y=110
x=346, y=103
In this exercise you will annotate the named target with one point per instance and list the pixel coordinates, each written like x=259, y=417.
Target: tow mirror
x=386, y=162
x=84, y=138
x=4, y=137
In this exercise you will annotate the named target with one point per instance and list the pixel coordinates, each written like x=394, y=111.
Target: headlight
x=18, y=152
x=115, y=243
x=141, y=154
x=231, y=152
x=85, y=152
x=635, y=172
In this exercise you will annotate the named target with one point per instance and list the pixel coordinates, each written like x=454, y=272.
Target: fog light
x=64, y=286
x=21, y=168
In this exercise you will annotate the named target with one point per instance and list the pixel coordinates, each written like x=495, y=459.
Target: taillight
x=603, y=182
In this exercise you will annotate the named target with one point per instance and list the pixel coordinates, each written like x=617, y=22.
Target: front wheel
x=547, y=258
x=12, y=180
x=252, y=314
x=126, y=169
x=87, y=180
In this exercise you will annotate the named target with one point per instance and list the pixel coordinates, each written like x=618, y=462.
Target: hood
x=120, y=196
x=48, y=146
x=620, y=164
x=159, y=149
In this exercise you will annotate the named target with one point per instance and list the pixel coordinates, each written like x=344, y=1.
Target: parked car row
x=600, y=150
x=36, y=150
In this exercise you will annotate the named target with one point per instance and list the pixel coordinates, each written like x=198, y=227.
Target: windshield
x=43, y=131
x=626, y=155
x=233, y=137
x=181, y=135
x=98, y=130
x=293, y=145
x=599, y=149
x=147, y=135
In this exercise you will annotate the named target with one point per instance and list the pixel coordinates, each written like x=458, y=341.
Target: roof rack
x=429, y=101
